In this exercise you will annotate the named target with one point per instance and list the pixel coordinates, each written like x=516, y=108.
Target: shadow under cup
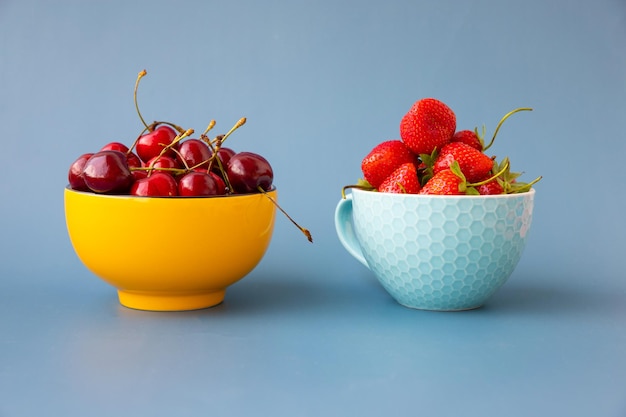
x=442, y=253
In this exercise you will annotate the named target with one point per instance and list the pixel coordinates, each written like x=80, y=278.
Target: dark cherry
x=197, y=184
x=75, y=174
x=158, y=184
x=152, y=143
x=133, y=159
x=107, y=172
x=247, y=171
x=139, y=174
x=115, y=146
x=194, y=152
x=219, y=181
x=224, y=154
x=163, y=162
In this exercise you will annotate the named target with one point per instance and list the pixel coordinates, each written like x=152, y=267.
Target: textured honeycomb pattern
x=441, y=253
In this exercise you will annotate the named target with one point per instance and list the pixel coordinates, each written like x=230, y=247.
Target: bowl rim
x=176, y=197
x=436, y=196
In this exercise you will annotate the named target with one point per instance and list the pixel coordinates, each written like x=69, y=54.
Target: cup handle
x=345, y=229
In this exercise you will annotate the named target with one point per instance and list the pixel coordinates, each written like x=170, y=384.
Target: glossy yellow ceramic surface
x=169, y=254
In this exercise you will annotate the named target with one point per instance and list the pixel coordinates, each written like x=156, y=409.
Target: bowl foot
x=442, y=309
x=170, y=301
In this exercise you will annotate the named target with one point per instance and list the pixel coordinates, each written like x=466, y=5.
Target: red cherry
x=224, y=154
x=75, y=174
x=139, y=174
x=158, y=184
x=107, y=172
x=247, y=171
x=163, y=162
x=151, y=144
x=194, y=152
x=196, y=184
x=133, y=159
x=219, y=181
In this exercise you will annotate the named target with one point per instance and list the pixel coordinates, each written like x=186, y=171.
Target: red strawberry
x=384, y=159
x=443, y=183
x=469, y=137
x=402, y=181
x=475, y=165
x=429, y=124
x=493, y=187
x=450, y=181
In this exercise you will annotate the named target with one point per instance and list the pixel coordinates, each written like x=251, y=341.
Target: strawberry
x=475, y=165
x=402, y=181
x=492, y=187
x=508, y=179
x=443, y=183
x=469, y=137
x=384, y=159
x=450, y=181
x=429, y=124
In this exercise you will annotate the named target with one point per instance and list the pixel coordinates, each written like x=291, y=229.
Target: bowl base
x=170, y=301
x=453, y=309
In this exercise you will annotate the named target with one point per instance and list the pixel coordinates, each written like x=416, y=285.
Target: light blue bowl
x=441, y=253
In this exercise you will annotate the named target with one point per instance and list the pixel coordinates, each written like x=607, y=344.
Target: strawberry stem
x=506, y=116
x=496, y=175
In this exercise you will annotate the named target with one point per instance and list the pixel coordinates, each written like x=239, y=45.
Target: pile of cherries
x=167, y=162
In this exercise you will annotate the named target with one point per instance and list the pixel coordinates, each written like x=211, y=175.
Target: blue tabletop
x=310, y=331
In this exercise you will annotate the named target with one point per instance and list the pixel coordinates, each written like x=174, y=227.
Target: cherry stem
x=209, y=127
x=141, y=74
x=237, y=125
x=214, y=157
x=302, y=229
x=177, y=139
x=136, y=141
x=506, y=116
x=154, y=124
x=182, y=159
x=150, y=169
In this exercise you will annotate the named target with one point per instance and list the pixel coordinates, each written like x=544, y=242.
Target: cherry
x=196, y=184
x=194, y=153
x=224, y=154
x=249, y=172
x=166, y=162
x=133, y=159
x=107, y=172
x=75, y=174
x=219, y=181
x=115, y=146
x=152, y=143
x=158, y=184
x=139, y=174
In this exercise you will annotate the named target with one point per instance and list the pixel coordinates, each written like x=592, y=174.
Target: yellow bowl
x=169, y=254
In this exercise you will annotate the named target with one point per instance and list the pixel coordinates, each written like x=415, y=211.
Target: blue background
x=310, y=332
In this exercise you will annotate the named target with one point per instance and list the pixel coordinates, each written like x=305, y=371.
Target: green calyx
x=470, y=188
x=508, y=179
x=427, y=171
